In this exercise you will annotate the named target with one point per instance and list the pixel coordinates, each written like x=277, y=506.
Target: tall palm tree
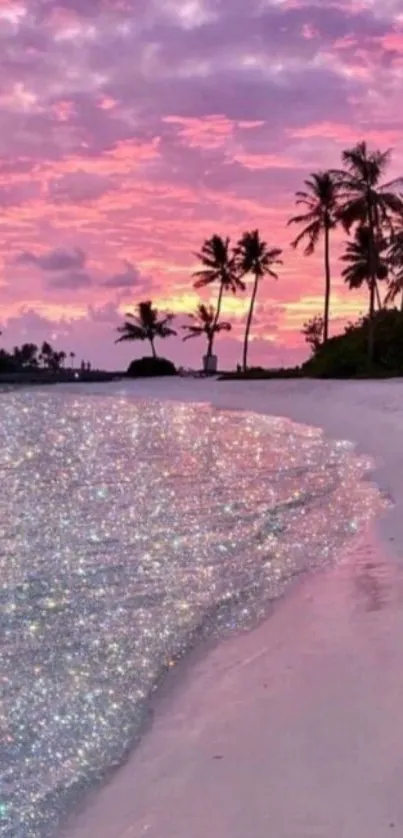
x=395, y=287
x=253, y=255
x=218, y=267
x=320, y=198
x=146, y=325
x=366, y=200
x=395, y=257
x=204, y=323
x=396, y=243
x=358, y=261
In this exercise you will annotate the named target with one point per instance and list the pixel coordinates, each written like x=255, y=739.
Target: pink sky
x=133, y=129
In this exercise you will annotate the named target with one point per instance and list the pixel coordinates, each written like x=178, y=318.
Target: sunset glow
x=133, y=129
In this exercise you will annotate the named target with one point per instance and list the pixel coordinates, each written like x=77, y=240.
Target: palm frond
x=145, y=324
x=312, y=232
x=162, y=331
x=193, y=332
x=253, y=255
x=218, y=265
x=128, y=331
x=358, y=261
x=303, y=219
x=353, y=211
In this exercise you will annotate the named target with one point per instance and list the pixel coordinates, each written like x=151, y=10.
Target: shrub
x=7, y=362
x=150, y=367
x=345, y=356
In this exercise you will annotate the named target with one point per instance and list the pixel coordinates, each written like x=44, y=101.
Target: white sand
x=294, y=730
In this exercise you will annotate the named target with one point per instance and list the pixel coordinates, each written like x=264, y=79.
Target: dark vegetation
x=30, y=357
x=30, y=364
x=258, y=373
x=150, y=367
x=345, y=355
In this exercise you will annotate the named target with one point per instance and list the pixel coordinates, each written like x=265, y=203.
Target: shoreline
x=240, y=744
x=124, y=807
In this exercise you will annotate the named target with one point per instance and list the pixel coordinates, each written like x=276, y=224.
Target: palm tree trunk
x=216, y=319
x=378, y=297
x=372, y=286
x=372, y=297
x=378, y=300
x=248, y=324
x=152, y=347
x=401, y=302
x=327, y=287
x=210, y=339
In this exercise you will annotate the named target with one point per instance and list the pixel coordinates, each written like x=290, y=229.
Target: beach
x=296, y=727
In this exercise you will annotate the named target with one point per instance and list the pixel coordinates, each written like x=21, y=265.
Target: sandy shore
x=294, y=730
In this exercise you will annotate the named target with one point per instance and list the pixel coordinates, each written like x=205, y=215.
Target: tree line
x=29, y=356
x=354, y=197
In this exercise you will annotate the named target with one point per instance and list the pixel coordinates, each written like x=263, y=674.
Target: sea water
x=128, y=531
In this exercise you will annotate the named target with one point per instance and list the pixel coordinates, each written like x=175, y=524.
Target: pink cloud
x=130, y=133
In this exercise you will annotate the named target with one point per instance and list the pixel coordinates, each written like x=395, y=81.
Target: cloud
x=78, y=186
x=70, y=280
x=54, y=260
x=128, y=278
x=108, y=313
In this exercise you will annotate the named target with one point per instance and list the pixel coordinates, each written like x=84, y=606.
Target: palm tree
x=204, y=323
x=320, y=198
x=366, y=200
x=26, y=355
x=145, y=325
x=252, y=255
x=218, y=267
x=46, y=354
x=396, y=243
x=395, y=287
x=72, y=356
x=395, y=257
x=358, y=260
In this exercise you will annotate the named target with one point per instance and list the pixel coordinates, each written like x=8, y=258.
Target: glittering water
x=126, y=528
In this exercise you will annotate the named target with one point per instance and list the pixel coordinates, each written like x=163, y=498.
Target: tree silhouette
x=252, y=255
x=218, y=268
x=204, y=323
x=395, y=259
x=366, y=201
x=320, y=199
x=358, y=260
x=146, y=325
x=313, y=332
x=26, y=355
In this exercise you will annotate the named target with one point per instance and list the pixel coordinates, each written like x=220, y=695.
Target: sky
x=131, y=130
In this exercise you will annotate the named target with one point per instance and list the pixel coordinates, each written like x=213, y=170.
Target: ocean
x=130, y=531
